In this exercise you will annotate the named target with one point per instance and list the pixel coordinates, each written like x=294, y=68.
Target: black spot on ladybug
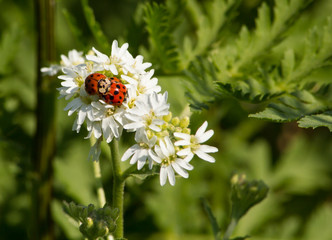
x=123, y=87
x=92, y=85
x=112, y=97
x=89, y=80
x=120, y=97
x=117, y=86
x=119, y=101
x=116, y=92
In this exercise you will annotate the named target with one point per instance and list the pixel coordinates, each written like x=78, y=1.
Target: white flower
x=142, y=150
x=105, y=116
x=170, y=162
x=73, y=80
x=144, y=84
x=148, y=112
x=139, y=66
x=52, y=70
x=192, y=144
x=74, y=58
x=120, y=59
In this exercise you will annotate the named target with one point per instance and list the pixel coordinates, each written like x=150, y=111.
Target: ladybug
x=115, y=93
x=92, y=82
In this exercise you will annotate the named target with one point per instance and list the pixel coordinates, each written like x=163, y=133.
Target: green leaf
x=95, y=27
x=291, y=107
x=213, y=221
x=209, y=25
x=202, y=75
x=317, y=120
x=157, y=19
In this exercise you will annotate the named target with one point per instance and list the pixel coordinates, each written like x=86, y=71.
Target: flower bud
x=184, y=122
x=167, y=117
x=175, y=121
x=245, y=194
x=186, y=130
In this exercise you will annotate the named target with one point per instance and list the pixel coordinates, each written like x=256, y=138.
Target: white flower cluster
x=160, y=139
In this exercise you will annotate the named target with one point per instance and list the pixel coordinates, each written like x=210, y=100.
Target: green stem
x=230, y=229
x=118, y=187
x=44, y=144
x=100, y=189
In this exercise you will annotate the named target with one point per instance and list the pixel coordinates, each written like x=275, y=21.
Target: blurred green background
x=294, y=162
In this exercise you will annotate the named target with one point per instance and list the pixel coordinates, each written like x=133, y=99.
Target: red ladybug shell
x=116, y=93
x=91, y=83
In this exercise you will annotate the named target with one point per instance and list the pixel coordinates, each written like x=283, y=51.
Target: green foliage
x=260, y=65
x=74, y=27
x=94, y=223
x=213, y=221
x=95, y=27
x=317, y=120
x=213, y=55
x=157, y=19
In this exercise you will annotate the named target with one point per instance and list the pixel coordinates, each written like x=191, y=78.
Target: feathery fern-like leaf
x=160, y=36
x=317, y=120
x=292, y=107
x=209, y=24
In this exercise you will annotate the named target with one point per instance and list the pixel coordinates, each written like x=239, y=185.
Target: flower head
x=170, y=162
x=148, y=112
x=192, y=144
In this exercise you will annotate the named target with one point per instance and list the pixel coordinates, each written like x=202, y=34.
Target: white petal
x=205, y=156
x=163, y=148
x=134, y=158
x=163, y=175
x=154, y=128
x=113, y=69
x=169, y=146
x=184, y=136
x=204, y=137
x=130, y=151
x=179, y=170
x=154, y=156
x=202, y=129
x=184, y=164
x=171, y=175
x=182, y=143
x=184, y=152
x=208, y=149
x=189, y=157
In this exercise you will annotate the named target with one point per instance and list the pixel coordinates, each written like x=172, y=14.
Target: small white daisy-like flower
x=52, y=70
x=120, y=59
x=170, y=162
x=105, y=116
x=142, y=150
x=74, y=58
x=103, y=60
x=144, y=84
x=192, y=144
x=139, y=66
x=148, y=112
x=73, y=80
